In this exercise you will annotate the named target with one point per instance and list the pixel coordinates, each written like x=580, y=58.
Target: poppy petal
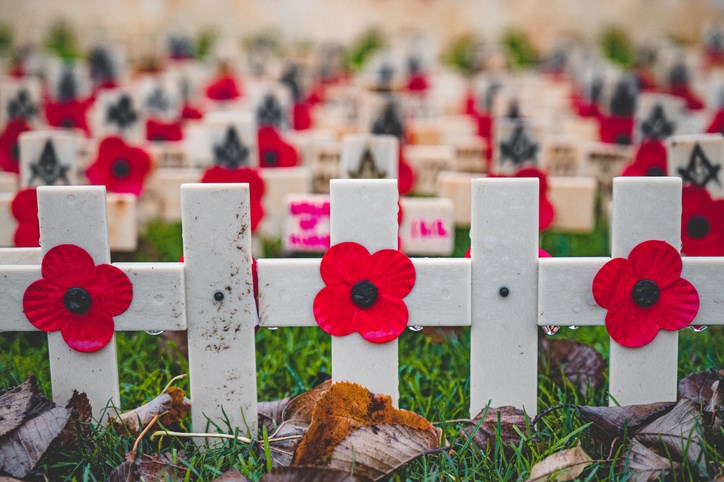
x=67, y=265
x=113, y=291
x=88, y=334
x=677, y=306
x=43, y=305
x=606, y=281
x=392, y=272
x=657, y=261
x=345, y=263
x=628, y=327
x=384, y=321
x=334, y=310
x=24, y=205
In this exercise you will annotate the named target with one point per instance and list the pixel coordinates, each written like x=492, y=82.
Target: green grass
x=434, y=382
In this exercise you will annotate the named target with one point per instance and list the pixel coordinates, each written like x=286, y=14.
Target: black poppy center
x=623, y=139
x=697, y=227
x=15, y=151
x=159, y=137
x=655, y=171
x=67, y=122
x=121, y=168
x=364, y=294
x=645, y=293
x=77, y=300
x=271, y=158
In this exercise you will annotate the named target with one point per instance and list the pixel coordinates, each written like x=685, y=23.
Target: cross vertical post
x=220, y=302
x=504, y=253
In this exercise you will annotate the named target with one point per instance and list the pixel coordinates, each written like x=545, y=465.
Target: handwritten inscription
x=308, y=225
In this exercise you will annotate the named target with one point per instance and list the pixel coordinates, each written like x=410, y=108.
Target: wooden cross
x=77, y=215
x=643, y=209
x=698, y=160
x=364, y=211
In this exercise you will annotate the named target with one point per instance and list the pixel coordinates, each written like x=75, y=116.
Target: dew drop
x=154, y=332
x=415, y=328
x=573, y=327
x=551, y=330
x=272, y=328
x=698, y=328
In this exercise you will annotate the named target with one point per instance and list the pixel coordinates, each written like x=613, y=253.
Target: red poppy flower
x=219, y=174
x=702, y=223
x=683, y=91
x=25, y=210
x=77, y=298
x=583, y=107
x=645, y=293
x=364, y=292
x=120, y=167
x=163, y=131
x=9, y=147
x=649, y=160
x=189, y=112
x=302, y=116
x=615, y=130
x=69, y=114
x=273, y=150
x=469, y=106
x=717, y=124
x=546, y=210
x=417, y=83
x=223, y=88
x=405, y=175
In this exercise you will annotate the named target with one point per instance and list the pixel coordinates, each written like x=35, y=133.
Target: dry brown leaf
x=308, y=474
x=611, y=422
x=581, y=364
x=21, y=449
x=564, y=465
x=15, y=405
x=676, y=433
x=81, y=414
x=171, y=405
x=348, y=418
x=645, y=465
x=232, y=475
x=282, y=451
x=270, y=413
x=147, y=468
x=300, y=409
x=705, y=389
x=485, y=436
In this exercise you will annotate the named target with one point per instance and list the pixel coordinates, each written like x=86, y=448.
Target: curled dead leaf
x=705, y=389
x=362, y=433
x=581, y=364
x=171, y=405
x=676, y=433
x=499, y=419
x=608, y=423
x=270, y=413
x=564, y=465
x=645, y=465
x=300, y=409
x=21, y=403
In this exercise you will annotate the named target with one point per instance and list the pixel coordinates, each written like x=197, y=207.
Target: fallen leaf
x=675, y=433
x=232, y=475
x=611, y=422
x=564, y=465
x=147, y=468
x=645, y=465
x=21, y=449
x=705, y=389
x=81, y=414
x=270, y=413
x=171, y=405
x=507, y=418
x=15, y=404
x=581, y=364
x=362, y=433
x=308, y=474
x=282, y=451
x=300, y=409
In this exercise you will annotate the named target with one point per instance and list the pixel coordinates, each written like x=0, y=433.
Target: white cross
x=77, y=215
x=365, y=211
x=643, y=209
x=217, y=260
x=504, y=254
